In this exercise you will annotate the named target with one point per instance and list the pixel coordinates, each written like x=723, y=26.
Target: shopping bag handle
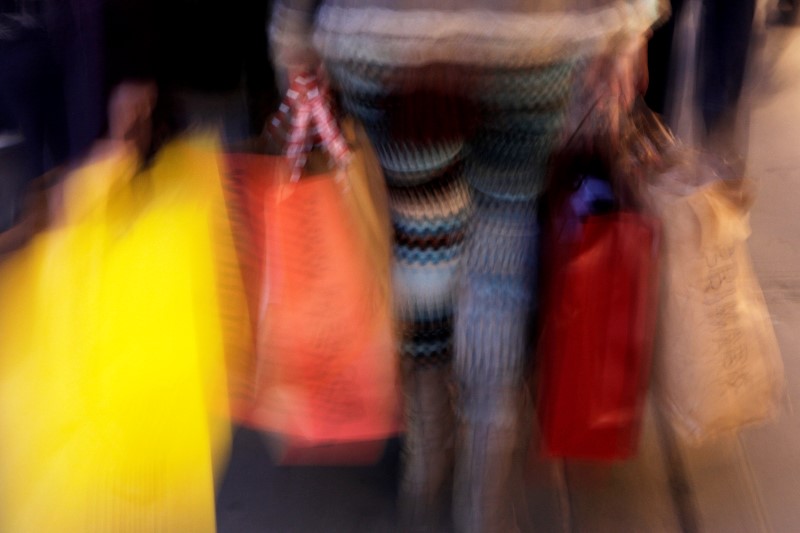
x=307, y=111
x=640, y=141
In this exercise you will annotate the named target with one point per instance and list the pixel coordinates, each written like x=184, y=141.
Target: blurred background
x=747, y=483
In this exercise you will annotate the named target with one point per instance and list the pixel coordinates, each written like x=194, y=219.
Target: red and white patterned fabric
x=307, y=111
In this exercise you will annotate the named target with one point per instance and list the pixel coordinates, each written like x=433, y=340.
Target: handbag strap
x=306, y=108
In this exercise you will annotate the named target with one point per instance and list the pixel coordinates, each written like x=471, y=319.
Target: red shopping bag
x=596, y=339
x=324, y=379
x=599, y=285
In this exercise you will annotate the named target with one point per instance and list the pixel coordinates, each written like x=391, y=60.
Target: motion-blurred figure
x=723, y=38
x=61, y=59
x=464, y=103
x=210, y=62
x=52, y=82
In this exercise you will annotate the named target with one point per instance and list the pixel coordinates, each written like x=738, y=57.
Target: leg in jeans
x=492, y=349
x=659, y=60
x=523, y=112
x=726, y=29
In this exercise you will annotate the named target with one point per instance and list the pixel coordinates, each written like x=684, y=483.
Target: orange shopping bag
x=324, y=379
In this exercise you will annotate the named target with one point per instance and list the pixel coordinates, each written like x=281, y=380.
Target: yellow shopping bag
x=115, y=325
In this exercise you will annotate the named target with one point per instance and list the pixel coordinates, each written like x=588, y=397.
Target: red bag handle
x=306, y=107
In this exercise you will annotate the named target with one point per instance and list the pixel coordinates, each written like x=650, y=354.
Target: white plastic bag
x=717, y=365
